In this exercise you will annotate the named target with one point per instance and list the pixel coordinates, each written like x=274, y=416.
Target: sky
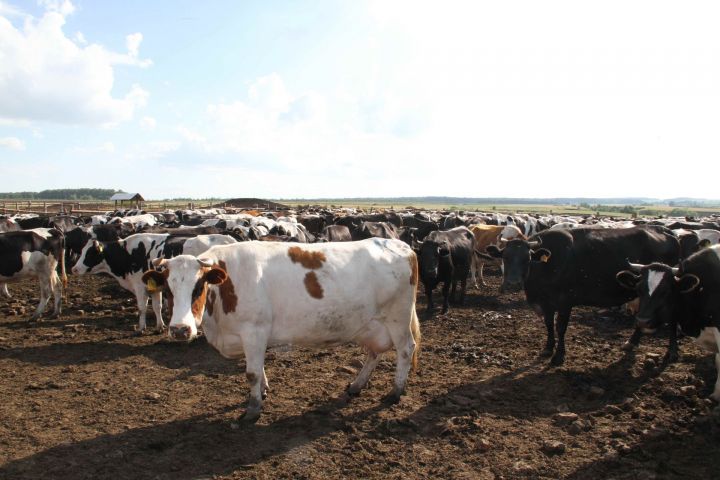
x=387, y=98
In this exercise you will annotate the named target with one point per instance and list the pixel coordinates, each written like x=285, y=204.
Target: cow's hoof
x=557, y=360
x=55, y=315
x=444, y=310
x=352, y=391
x=250, y=415
x=391, y=398
x=628, y=346
x=547, y=352
x=672, y=357
x=137, y=333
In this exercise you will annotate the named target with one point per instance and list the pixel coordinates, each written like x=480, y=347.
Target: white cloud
x=13, y=143
x=103, y=148
x=148, y=123
x=50, y=77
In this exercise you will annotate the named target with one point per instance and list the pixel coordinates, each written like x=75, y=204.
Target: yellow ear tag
x=544, y=258
x=151, y=285
x=100, y=248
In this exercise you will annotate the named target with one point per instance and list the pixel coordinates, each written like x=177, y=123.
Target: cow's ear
x=688, y=282
x=216, y=275
x=153, y=280
x=494, y=251
x=704, y=243
x=541, y=255
x=627, y=279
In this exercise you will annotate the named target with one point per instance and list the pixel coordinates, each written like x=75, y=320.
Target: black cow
x=375, y=229
x=335, y=233
x=688, y=295
x=578, y=267
x=29, y=254
x=33, y=222
x=446, y=256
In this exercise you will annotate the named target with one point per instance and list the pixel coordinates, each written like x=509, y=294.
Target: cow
x=486, y=235
x=252, y=295
x=375, y=229
x=560, y=269
x=446, y=257
x=35, y=254
x=688, y=294
x=335, y=233
x=127, y=259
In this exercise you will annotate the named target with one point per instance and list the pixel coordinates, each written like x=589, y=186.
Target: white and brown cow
x=252, y=295
x=486, y=235
x=26, y=254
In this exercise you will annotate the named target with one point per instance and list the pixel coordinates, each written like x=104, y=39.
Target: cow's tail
x=415, y=329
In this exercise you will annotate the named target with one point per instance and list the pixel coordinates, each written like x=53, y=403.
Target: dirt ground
x=82, y=397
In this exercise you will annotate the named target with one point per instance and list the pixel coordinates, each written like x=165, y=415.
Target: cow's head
x=516, y=257
x=657, y=286
x=185, y=280
x=91, y=257
x=430, y=254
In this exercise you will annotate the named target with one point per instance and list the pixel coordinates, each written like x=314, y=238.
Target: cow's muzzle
x=180, y=333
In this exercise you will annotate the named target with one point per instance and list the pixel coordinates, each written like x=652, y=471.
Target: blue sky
x=286, y=99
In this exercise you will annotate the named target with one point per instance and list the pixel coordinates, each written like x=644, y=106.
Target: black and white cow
x=446, y=257
x=126, y=260
x=688, y=295
x=578, y=267
x=34, y=254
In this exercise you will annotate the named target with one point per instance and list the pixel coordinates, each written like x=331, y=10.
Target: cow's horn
x=504, y=240
x=675, y=271
x=534, y=244
x=205, y=262
x=635, y=267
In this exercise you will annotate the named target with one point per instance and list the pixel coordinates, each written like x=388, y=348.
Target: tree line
x=63, y=194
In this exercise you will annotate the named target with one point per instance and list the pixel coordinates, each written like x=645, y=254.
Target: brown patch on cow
x=251, y=378
x=310, y=260
x=227, y=292
x=313, y=286
x=210, y=306
x=199, y=298
x=413, y=269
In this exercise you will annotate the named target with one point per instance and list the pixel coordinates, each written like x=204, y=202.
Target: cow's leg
x=156, y=298
x=44, y=297
x=360, y=382
x=563, y=318
x=716, y=392
x=549, y=319
x=474, y=270
x=634, y=340
x=446, y=296
x=265, y=385
x=142, y=300
x=672, y=353
x=56, y=286
x=463, y=288
x=404, y=342
x=254, y=344
x=482, y=278
x=4, y=290
x=428, y=295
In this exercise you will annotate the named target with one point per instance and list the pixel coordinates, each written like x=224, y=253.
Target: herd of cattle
x=318, y=277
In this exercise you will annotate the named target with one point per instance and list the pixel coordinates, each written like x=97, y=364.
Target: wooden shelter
x=134, y=199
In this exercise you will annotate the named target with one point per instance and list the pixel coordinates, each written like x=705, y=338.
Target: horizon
x=335, y=100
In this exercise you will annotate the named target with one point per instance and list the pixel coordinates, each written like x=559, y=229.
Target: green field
x=604, y=210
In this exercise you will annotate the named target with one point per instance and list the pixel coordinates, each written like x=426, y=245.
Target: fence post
x=45, y=207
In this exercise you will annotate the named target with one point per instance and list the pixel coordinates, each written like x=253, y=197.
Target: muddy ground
x=81, y=397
